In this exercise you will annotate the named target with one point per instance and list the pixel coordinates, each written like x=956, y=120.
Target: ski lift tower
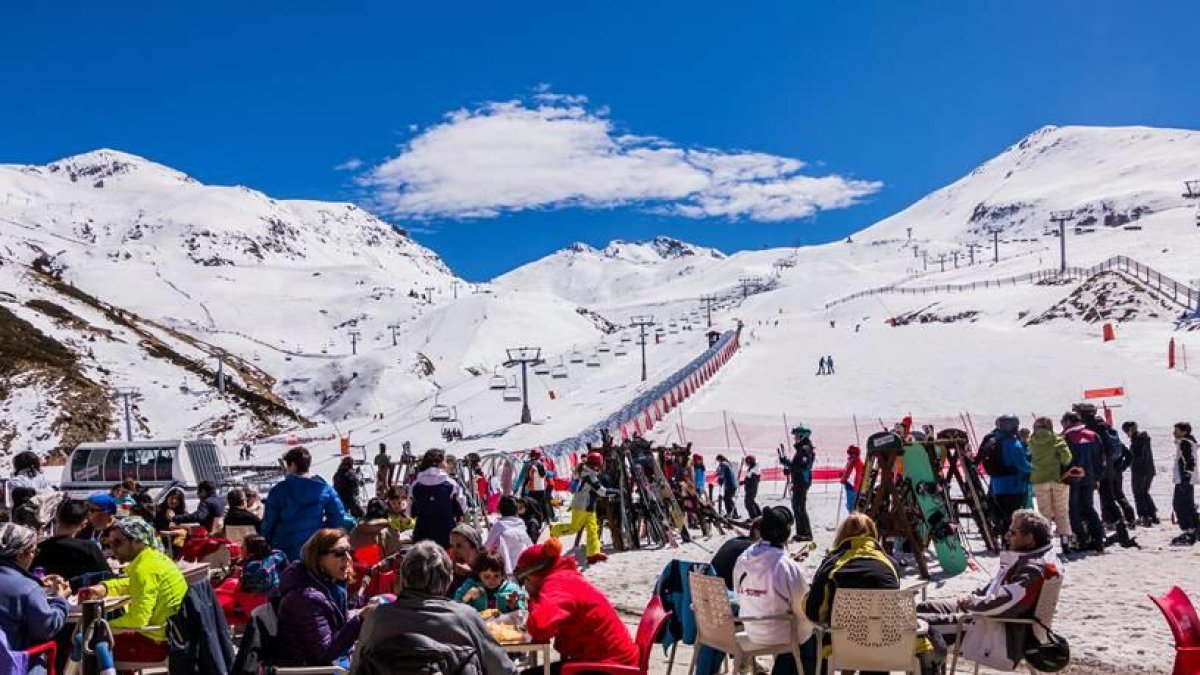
x=1061, y=218
x=1191, y=190
x=525, y=356
x=708, y=301
x=642, y=322
x=127, y=393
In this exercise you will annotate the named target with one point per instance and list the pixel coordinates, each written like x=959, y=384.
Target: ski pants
x=581, y=519
x=851, y=498
x=750, y=499
x=543, y=497
x=1007, y=505
x=1085, y=522
x=1114, y=506
x=1140, y=482
x=1054, y=502
x=727, y=497
x=1185, y=506
x=800, y=510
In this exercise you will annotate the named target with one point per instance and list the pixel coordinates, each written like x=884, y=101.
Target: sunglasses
x=339, y=552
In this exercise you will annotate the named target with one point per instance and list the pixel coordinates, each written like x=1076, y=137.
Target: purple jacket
x=314, y=628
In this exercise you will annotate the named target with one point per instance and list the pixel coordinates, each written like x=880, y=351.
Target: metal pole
x=91, y=611
x=643, y=340
x=128, y=420
x=1062, y=246
x=221, y=373
x=526, y=418
x=995, y=246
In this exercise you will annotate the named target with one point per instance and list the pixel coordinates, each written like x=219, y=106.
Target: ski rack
x=889, y=502
x=962, y=470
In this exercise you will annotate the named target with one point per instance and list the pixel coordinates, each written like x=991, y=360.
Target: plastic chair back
x=714, y=614
x=238, y=533
x=1177, y=607
x=873, y=629
x=368, y=555
x=654, y=619
x=1047, y=606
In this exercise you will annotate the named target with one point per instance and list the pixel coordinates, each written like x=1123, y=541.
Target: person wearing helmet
x=799, y=469
x=852, y=476
x=750, y=482
x=728, y=482
x=1025, y=567
x=1011, y=487
x=583, y=507
x=535, y=484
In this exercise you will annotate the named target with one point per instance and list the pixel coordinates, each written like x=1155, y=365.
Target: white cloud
x=352, y=164
x=553, y=151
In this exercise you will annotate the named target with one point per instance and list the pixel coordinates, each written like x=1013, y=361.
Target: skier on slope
x=799, y=468
x=821, y=366
x=829, y=365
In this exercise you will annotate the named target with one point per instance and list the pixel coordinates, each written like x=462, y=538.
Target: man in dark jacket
x=1088, y=459
x=751, y=481
x=237, y=514
x=1141, y=473
x=211, y=507
x=347, y=482
x=799, y=469
x=1011, y=488
x=299, y=506
x=79, y=561
x=1186, y=478
x=727, y=480
x=422, y=631
x=1115, y=508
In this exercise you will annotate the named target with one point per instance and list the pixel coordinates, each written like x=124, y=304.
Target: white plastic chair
x=1044, y=612
x=716, y=625
x=238, y=533
x=874, y=629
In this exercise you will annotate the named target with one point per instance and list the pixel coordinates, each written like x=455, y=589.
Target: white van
x=97, y=467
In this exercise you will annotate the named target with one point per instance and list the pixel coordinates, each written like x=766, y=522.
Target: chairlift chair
x=603, y=347
x=626, y=338
x=542, y=368
x=559, y=372
x=441, y=412
x=512, y=392
x=498, y=381
x=593, y=361
x=576, y=357
x=621, y=350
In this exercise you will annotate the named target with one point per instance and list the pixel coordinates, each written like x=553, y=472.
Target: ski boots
x=1188, y=538
x=598, y=558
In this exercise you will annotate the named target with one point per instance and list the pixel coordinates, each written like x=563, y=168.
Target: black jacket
x=1143, y=456
x=239, y=516
x=210, y=508
x=71, y=559
x=857, y=563
x=198, y=636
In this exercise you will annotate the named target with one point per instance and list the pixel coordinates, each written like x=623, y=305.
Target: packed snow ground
x=1103, y=612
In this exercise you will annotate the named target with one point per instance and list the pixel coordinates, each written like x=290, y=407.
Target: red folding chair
x=49, y=649
x=1177, y=607
x=654, y=619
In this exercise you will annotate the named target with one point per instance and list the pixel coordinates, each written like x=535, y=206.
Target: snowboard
x=935, y=509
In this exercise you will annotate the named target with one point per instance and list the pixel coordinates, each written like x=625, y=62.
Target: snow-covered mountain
x=1103, y=175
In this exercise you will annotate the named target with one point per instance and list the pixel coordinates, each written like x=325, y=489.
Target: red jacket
x=852, y=474
x=580, y=620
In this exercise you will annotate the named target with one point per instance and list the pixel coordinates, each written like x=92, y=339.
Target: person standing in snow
x=769, y=583
x=348, y=483
x=821, y=366
x=1011, y=489
x=299, y=506
x=1051, y=457
x=1141, y=473
x=829, y=365
x=437, y=502
x=1185, y=484
x=751, y=481
x=1087, y=460
x=727, y=481
x=383, y=470
x=583, y=507
x=799, y=469
x=852, y=476
x=1115, y=508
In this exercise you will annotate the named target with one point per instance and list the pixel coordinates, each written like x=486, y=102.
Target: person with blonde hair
x=1051, y=458
x=856, y=560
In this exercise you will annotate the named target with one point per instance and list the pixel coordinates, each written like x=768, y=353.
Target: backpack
x=255, y=652
x=417, y=654
x=1117, y=452
x=991, y=456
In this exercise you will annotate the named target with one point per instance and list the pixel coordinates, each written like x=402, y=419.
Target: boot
x=598, y=558
x=1188, y=538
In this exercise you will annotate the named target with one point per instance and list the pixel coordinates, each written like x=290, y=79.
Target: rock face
x=1107, y=296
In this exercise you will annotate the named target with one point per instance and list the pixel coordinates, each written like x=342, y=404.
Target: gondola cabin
x=96, y=467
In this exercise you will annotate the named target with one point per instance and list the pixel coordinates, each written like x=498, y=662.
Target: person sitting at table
x=262, y=566
x=423, y=629
x=155, y=587
x=101, y=514
x=508, y=536
x=32, y=611
x=464, y=546
x=489, y=587
x=79, y=561
x=566, y=608
x=237, y=515
x=314, y=617
x=208, y=513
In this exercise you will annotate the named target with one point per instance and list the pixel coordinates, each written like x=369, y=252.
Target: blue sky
x=276, y=95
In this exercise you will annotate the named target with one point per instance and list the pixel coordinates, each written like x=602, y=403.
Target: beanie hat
x=538, y=558
x=103, y=502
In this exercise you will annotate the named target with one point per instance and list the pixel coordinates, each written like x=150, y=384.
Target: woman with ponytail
x=566, y=608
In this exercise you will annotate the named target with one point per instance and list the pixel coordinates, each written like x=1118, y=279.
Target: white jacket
x=769, y=583
x=508, y=538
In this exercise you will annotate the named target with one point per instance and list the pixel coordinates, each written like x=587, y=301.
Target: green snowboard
x=935, y=508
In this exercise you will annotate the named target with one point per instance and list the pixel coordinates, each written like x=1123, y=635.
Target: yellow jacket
x=156, y=588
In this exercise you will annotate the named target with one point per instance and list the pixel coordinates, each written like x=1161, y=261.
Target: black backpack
x=991, y=456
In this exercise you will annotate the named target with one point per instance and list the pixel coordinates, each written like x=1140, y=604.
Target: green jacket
x=156, y=588
x=1051, y=456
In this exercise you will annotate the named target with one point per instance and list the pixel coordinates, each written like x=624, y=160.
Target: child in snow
x=489, y=587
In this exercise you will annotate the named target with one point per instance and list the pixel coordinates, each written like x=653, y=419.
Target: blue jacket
x=1016, y=458
x=27, y=616
x=298, y=507
x=1087, y=451
x=726, y=477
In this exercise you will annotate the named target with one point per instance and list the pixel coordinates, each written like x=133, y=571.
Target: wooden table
x=534, y=648
x=111, y=604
